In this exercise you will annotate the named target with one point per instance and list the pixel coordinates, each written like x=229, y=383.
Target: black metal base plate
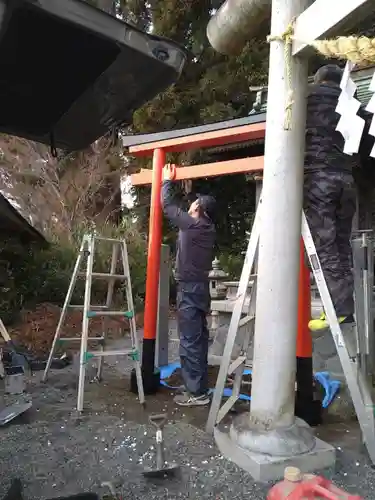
x=172, y=470
x=151, y=382
x=310, y=411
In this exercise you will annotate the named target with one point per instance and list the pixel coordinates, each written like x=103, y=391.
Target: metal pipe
x=272, y=404
x=235, y=23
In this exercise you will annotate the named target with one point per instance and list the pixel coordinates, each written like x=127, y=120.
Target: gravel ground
x=56, y=452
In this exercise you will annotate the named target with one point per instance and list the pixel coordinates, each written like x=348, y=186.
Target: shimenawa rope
x=357, y=49
x=287, y=39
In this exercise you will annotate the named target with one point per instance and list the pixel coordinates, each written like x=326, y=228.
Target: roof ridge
x=361, y=77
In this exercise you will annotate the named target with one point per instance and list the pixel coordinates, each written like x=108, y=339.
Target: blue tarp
x=330, y=387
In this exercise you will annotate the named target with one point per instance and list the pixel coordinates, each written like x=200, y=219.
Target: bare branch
x=60, y=193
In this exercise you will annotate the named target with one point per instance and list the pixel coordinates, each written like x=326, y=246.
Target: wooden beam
x=204, y=140
x=243, y=165
x=327, y=19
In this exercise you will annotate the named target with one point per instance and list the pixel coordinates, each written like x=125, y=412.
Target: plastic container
x=298, y=486
x=15, y=380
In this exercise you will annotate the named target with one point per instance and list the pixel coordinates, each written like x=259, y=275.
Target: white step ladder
x=358, y=386
x=86, y=254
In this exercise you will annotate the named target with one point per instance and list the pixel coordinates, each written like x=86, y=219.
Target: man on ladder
x=329, y=193
x=195, y=248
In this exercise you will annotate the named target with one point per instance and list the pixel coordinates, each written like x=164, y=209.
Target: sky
x=128, y=196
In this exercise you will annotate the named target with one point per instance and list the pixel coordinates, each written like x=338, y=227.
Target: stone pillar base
x=265, y=454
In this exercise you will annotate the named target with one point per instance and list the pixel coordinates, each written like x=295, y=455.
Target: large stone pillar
x=269, y=437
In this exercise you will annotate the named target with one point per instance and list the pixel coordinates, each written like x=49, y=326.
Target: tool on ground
x=299, y=486
x=12, y=355
x=10, y=412
x=357, y=383
x=119, y=257
x=59, y=363
x=17, y=359
x=162, y=469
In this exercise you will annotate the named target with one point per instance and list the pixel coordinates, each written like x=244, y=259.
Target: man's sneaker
x=187, y=399
x=316, y=325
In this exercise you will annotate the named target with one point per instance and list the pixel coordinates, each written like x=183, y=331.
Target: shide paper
x=350, y=125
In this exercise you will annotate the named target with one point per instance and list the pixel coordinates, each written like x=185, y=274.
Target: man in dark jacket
x=329, y=192
x=195, y=247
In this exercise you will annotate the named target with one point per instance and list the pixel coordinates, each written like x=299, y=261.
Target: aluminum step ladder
x=86, y=255
x=359, y=388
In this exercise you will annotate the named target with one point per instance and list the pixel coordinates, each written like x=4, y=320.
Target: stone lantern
x=216, y=277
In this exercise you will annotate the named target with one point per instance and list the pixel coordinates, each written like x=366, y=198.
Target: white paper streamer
x=350, y=125
x=371, y=108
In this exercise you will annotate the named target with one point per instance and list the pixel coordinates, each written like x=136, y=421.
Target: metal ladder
x=363, y=270
x=358, y=386
x=86, y=253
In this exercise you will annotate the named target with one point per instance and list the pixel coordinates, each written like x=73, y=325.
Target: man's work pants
x=193, y=304
x=330, y=204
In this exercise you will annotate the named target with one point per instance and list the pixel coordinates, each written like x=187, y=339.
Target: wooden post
x=162, y=335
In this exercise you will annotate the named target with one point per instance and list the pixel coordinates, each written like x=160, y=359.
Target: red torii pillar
x=151, y=376
x=306, y=407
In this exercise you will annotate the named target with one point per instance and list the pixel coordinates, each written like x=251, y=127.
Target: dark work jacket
x=196, y=240
x=324, y=145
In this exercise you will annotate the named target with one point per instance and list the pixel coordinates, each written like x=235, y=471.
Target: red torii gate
x=158, y=149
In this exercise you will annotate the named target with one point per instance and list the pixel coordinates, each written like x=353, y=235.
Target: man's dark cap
x=207, y=204
x=191, y=197
x=330, y=73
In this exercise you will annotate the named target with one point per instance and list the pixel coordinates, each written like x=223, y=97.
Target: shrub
x=30, y=275
x=231, y=264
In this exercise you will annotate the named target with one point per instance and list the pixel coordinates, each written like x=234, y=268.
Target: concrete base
x=290, y=441
x=265, y=467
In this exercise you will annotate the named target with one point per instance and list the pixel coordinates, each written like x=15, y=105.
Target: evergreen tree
x=212, y=88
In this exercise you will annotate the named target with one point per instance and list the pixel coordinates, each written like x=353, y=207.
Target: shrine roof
x=13, y=223
x=138, y=139
x=361, y=78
